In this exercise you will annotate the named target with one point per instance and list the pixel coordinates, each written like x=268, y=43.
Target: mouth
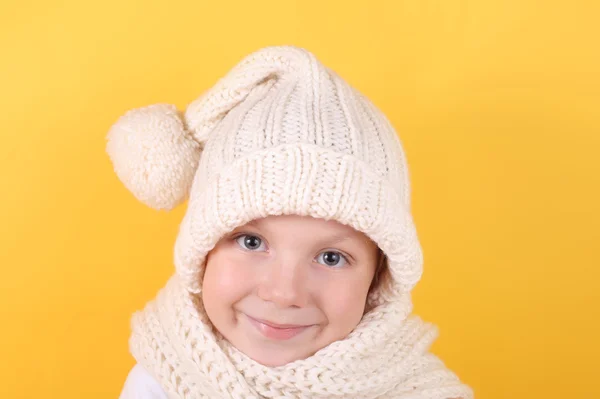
x=277, y=331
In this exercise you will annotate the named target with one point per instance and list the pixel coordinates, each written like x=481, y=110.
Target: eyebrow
x=331, y=240
x=336, y=238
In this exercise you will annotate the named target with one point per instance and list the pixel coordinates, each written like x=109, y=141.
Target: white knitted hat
x=279, y=134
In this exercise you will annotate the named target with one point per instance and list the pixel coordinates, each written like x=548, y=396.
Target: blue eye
x=332, y=259
x=249, y=242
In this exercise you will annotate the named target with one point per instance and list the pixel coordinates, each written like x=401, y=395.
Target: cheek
x=343, y=302
x=225, y=282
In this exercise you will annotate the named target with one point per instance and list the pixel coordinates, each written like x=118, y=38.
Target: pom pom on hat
x=154, y=155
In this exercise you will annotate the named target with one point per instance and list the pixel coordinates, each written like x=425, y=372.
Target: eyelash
x=342, y=256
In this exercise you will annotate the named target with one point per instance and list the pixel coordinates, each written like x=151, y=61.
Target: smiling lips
x=276, y=331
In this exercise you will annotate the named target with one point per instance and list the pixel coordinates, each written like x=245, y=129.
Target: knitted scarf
x=385, y=356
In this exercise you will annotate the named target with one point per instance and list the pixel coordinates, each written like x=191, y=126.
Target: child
x=297, y=255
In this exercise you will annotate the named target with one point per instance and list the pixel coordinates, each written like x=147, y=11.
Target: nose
x=284, y=284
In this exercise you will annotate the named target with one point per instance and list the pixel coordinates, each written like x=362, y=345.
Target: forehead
x=303, y=221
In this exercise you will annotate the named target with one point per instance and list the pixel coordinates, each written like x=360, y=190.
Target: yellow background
x=497, y=103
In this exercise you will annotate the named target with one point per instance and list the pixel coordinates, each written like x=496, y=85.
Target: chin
x=277, y=360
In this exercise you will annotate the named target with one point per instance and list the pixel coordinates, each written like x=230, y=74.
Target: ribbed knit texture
x=279, y=134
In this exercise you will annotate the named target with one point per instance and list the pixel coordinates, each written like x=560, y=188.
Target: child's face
x=281, y=288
